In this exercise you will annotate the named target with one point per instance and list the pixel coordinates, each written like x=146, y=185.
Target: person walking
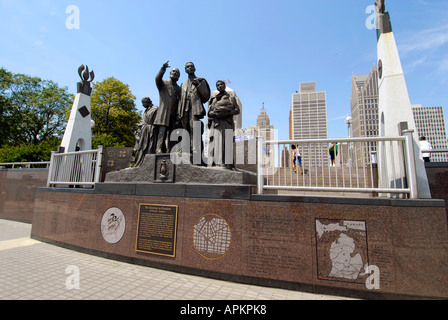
x=296, y=158
x=333, y=151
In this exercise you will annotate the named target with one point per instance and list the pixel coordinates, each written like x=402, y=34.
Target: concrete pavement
x=33, y=270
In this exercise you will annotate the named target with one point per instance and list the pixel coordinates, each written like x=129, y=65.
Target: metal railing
x=25, y=165
x=426, y=151
x=75, y=168
x=355, y=170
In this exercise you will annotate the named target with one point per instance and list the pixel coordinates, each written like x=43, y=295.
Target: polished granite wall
x=309, y=243
x=18, y=190
x=271, y=240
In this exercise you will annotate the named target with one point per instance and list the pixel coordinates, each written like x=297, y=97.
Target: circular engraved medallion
x=212, y=236
x=113, y=225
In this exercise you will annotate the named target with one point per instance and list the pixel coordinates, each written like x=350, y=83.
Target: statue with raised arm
x=169, y=92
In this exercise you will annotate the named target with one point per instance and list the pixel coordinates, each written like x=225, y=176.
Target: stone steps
x=321, y=177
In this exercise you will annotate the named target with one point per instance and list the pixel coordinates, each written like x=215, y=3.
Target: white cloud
x=426, y=49
x=338, y=118
x=444, y=64
x=430, y=39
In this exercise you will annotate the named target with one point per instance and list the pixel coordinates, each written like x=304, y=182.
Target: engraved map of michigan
x=342, y=252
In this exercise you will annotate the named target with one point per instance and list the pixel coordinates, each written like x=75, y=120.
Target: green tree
x=29, y=152
x=106, y=140
x=33, y=110
x=114, y=112
x=6, y=125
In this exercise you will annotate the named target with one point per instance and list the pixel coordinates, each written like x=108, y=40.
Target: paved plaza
x=33, y=270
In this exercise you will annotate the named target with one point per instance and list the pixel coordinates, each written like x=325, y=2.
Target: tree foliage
x=5, y=107
x=32, y=110
x=114, y=112
x=33, y=115
x=29, y=152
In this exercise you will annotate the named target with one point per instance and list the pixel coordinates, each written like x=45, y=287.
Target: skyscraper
x=308, y=120
x=430, y=123
x=266, y=130
x=364, y=111
x=364, y=104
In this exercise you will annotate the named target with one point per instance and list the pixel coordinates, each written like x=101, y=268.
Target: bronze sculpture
x=222, y=108
x=380, y=5
x=145, y=137
x=165, y=120
x=84, y=86
x=194, y=93
x=384, y=24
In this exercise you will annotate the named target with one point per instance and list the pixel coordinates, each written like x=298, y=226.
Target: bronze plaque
x=157, y=229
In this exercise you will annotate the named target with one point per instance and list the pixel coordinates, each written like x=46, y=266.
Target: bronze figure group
x=182, y=107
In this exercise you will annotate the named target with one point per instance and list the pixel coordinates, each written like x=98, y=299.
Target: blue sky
x=265, y=48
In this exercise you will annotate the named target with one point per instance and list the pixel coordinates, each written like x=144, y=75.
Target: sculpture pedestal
x=160, y=169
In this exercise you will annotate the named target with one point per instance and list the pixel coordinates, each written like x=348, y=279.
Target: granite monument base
x=372, y=248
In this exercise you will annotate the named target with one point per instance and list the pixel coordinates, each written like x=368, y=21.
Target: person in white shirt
x=296, y=159
x=425, y=145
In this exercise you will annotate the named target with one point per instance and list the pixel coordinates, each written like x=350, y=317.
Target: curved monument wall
x=17, y=192
x=308, y=243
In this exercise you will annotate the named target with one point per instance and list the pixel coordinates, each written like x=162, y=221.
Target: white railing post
x=410, y=164
x=99, y=159
x=260, y=170
x=50, y=169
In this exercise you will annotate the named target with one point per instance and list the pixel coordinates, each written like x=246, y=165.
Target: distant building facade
x=364, y=112
x=308, y=120
x=265, y=130
x=430, y=123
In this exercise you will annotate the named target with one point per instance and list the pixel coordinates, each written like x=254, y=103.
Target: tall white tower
x=78, y=133
x=394, y=107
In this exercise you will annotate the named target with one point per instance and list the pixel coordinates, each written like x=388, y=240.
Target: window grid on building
x=364, y=112
x=430, y=123
x=308, y=120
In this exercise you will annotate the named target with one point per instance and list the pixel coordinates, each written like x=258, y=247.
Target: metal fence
x=431, y=151
x=355, y=169
x=25, y=165
x=75, y=168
